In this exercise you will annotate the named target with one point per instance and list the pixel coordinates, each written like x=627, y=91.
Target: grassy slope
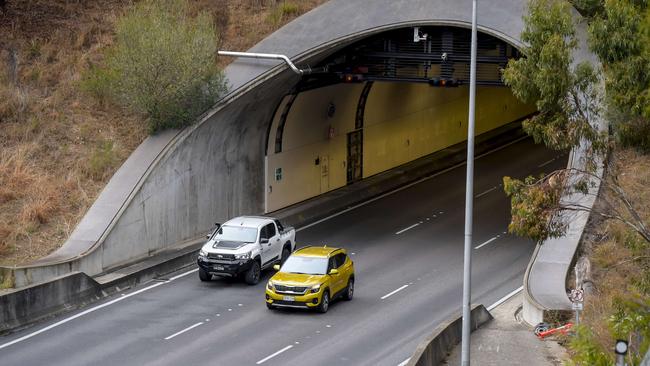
x=58, y=146
x=620, y=259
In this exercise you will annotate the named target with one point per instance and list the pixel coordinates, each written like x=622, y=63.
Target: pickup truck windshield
x=237, y=233
x=306, y=265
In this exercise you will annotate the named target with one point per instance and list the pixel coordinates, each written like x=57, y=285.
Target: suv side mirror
x=334, y=271
x=264, y=240
x=276, y=267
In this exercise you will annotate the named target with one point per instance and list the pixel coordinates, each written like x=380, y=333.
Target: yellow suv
x=311, y=278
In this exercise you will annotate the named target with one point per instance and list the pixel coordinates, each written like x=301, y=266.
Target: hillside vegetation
x=571, y=103
x=59, y=146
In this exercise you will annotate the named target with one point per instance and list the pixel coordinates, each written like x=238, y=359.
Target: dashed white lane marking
x=394, y=292
x=505, y=298
x=486, y=192
x=409, y=185
x=408, y=228
x=403, y=363
x=273, y=355
x=546, y=163
x=80, y=315
x=183, y=331
x=487, y=242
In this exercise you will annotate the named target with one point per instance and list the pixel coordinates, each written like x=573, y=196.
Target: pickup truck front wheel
x=203, y=275
x=252, y=276
x=285, y=254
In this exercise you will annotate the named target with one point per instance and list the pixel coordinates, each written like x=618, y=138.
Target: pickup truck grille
x=225, y=257
x=291, y=290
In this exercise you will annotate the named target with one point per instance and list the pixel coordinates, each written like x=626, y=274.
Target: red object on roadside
x=563, y=329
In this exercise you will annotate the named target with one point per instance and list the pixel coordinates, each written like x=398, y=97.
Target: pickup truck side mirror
x=264, y=241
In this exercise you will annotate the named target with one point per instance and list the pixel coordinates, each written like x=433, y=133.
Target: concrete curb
x=433, y=349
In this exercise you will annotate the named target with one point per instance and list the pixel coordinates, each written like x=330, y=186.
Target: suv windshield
x=306, y=265
x=237, y=233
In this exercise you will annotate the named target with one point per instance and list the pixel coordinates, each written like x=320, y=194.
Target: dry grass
x=620, y=258
x=58, y=146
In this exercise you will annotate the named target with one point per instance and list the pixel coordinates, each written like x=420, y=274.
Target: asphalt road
x=410, y=241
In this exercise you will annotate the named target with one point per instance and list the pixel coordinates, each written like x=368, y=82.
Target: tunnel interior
x=382, y=102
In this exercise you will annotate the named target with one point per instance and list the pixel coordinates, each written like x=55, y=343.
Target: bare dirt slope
x=59, y=146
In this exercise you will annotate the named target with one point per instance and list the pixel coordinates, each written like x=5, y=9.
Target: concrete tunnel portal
x=381, y=102
x=276, y=138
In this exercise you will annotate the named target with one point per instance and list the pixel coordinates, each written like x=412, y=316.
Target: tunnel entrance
x=382, y=102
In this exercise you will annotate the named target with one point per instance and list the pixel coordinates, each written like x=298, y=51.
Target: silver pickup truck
x=244, y=246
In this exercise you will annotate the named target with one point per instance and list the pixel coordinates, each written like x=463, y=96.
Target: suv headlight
x=243, y=256
x=315, y=288
x=202, y=253
x=270, y=286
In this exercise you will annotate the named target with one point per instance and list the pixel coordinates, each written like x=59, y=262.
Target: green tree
x=568, y=103
x=588, y=8
x=162, y=64
x=566, y=97
x=620, y=36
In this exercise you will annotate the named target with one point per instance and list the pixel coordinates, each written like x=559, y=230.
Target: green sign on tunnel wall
x=278, y=174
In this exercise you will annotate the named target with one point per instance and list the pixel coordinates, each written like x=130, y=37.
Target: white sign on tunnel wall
x=278, y=174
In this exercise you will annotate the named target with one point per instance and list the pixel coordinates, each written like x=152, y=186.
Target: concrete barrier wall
x=36, y=302
x=434, y=348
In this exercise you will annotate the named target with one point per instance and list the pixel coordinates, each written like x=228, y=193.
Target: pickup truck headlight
x=202, y=253
x=315, y=288
x=270, y=286
x=243, y=256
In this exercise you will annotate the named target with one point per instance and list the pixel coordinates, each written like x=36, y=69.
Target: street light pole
x=469, y=196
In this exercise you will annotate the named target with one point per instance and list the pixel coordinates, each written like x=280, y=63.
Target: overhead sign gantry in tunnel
x=381, y=102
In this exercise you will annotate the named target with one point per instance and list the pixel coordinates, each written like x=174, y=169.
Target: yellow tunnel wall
x=402, y=122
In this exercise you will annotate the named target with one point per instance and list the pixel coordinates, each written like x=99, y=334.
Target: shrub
x=102, y=159
x=283, y=11
x=162, y=64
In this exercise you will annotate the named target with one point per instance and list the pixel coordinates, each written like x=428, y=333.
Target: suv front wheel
x=324, y=302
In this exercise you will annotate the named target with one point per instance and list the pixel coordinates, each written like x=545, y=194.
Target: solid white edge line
x=486, y=192
x=393, y=293
x=403, y=363
x=487, y=242
x=273, y=355
x=505, y=298
x=183, y=274
x=183, y=331
x=80, y=315
x=410, y=184
x=408, y=228
x=94, y=309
